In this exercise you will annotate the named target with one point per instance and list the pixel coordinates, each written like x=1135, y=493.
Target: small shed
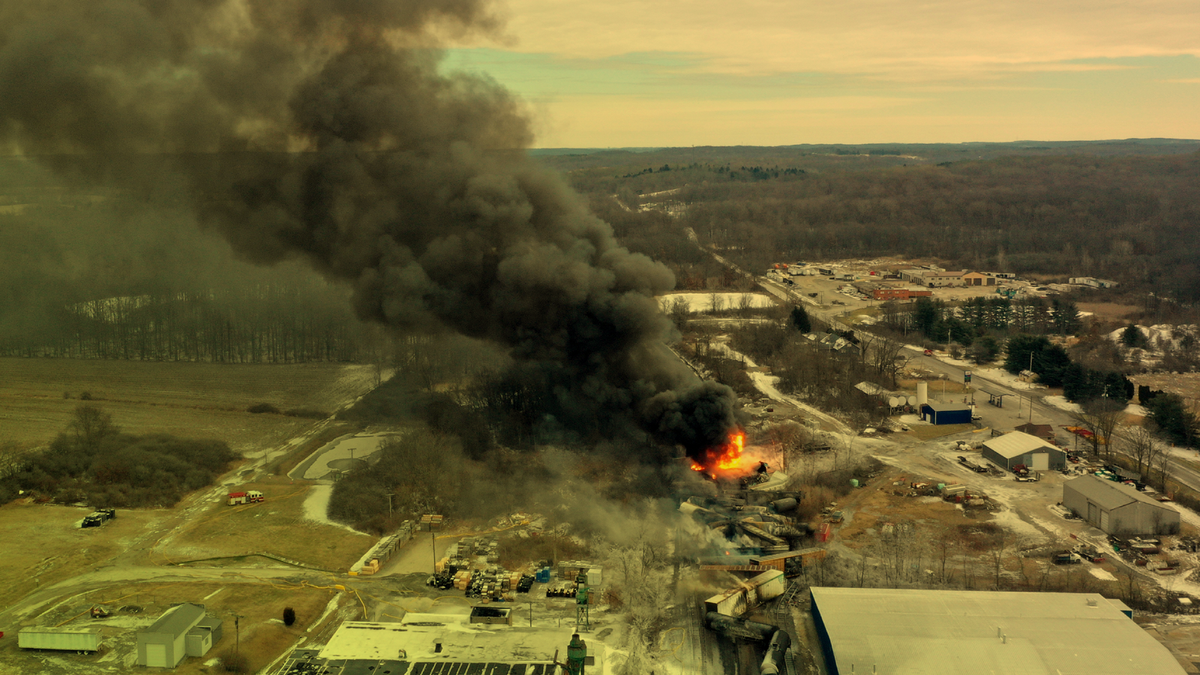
x=183, y=630
x=1018, y=447
x=1043, y=431
x=1117, y=508
x=946, y=413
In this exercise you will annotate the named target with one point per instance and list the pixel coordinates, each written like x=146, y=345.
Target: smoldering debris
x=326, y=132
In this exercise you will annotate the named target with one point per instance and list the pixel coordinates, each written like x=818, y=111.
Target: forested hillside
x=1082, y=210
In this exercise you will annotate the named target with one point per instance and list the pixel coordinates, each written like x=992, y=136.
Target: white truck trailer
x=61, y=639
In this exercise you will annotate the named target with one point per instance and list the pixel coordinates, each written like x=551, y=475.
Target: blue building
x=946, y=413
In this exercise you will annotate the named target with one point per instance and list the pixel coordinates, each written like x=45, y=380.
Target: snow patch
x=1062, y=403
x=1102, y=574
x=703, y=302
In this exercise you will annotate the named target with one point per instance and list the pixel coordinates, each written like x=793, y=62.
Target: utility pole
x=237, y=633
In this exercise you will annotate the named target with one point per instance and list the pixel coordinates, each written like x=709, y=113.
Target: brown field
x=275, y=526
x=258, y=604
x=194, y=400
x=1109, y=311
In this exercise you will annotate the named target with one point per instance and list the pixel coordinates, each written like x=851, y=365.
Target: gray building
x=1017, y=447
x=1117, y=508
x=183, y=630
x=882, y=630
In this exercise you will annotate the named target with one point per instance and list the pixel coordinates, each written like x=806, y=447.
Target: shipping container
x=63, y=639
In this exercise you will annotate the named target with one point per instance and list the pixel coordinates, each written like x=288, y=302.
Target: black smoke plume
x=323, y=129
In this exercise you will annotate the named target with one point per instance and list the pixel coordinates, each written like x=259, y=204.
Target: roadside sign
x=967, y=377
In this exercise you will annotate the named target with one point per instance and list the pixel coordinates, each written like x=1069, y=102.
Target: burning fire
x=724, y=457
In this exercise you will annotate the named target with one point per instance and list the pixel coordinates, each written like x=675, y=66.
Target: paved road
x=1017, y=404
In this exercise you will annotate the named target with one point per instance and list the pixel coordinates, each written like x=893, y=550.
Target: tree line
x=1131, y=218
x=274, y=323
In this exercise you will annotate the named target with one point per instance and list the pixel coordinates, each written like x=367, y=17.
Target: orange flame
x=725, y=457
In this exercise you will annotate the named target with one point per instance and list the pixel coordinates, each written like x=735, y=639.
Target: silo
x=922, y=393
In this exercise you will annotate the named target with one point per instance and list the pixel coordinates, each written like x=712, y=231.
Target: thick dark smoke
x=323, y=129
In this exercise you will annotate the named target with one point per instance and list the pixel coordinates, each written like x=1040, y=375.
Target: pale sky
x=614, y=73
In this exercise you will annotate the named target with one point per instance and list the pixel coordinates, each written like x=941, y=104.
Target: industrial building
x=183, y=630
x=935, y=412
x=978, y=279
x=1117, y=508
x=1018, y=447
x=442, y=644
x=875, y=630
x=877, y=291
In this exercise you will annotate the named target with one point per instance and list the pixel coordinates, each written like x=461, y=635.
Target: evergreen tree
x=1132, y=337
x=800, y=319
x=1173, y=419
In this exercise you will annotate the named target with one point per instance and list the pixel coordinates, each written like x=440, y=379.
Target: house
x=978, y=279
x=1117, y=508
x=1018, y=447
x=183, y=630
x=1042, y=431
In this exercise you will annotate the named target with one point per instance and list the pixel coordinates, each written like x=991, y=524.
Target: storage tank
x=774, y=662
x=922, y=393
x=62, y=639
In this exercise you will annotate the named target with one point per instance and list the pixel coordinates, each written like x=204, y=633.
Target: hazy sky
x=773, y=72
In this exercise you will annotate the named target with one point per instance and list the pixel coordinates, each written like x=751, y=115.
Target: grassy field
x=259, y=606
x=195, y=400
x=275, y=526
x=54, y=548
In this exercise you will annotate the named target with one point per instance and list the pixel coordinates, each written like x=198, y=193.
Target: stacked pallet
x=462, y=579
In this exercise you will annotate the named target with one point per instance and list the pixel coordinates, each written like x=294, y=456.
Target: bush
x=259, y=408
x=289, y=616
x=233, y=663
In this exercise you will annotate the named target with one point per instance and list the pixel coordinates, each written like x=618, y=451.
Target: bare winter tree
x=90, y=425
x=1099, y=416
x=1140, y=444
x=997, y=547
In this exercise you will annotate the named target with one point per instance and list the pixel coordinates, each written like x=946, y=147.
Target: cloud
x=929, y=39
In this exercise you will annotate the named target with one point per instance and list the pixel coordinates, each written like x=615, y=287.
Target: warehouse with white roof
x=905, y=632
x=1017, y=447
x=1118, y=509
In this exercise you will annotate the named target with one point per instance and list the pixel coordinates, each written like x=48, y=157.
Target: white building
x=877, y=630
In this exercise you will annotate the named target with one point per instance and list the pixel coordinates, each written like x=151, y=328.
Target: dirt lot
x=197, y=400
x=275, y=526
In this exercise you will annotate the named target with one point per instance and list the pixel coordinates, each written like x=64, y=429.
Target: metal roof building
x=936, y=412
x=906, y=632
x=1118, y=509
x=183, y=630
x=1017, y=447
